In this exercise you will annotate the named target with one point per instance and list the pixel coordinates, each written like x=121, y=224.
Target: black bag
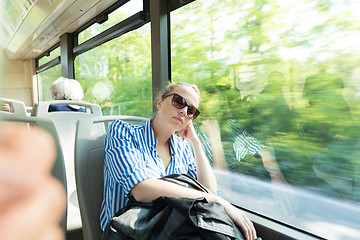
x=172, y=218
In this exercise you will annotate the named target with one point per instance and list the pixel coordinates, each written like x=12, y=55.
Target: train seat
x=65, y=123
x=89, y=166
x=59, y=166
x=12, y=106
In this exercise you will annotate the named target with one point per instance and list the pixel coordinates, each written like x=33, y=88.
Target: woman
x=66, y=89
x=137, y=156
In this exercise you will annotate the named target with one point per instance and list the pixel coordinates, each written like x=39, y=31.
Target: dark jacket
x=66, y=108
x=172, y=218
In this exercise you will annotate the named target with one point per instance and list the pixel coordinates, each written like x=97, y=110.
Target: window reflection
x=331, y=133
x=280, y=105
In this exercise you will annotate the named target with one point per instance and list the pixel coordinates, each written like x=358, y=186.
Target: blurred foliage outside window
x=117, y=75
x=52, y=55
x=125, y=11
x=264, y=65
x=282, y=74
x=45, y=79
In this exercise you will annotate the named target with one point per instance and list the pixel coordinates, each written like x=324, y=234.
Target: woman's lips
x=179, y=120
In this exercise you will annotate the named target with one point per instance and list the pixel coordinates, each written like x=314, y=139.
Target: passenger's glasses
x=179, y=102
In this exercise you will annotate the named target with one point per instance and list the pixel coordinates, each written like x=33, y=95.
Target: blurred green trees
x=286, y=71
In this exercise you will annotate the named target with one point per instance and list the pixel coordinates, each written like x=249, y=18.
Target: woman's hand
x=238, y=217
x=189, y=133
x=242, y=221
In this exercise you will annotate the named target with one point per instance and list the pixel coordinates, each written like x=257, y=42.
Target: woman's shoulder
x=120, y=122
x=119, y=129
x=121, y=125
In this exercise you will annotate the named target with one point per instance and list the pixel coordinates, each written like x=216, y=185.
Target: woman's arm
x=32, y=201
x=271, y=166
x=152, y=189
x=204, y=171
x=212, y=129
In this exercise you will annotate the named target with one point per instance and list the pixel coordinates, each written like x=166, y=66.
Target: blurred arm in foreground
x=32, y=201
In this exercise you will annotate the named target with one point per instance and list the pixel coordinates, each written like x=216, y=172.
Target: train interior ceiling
x=41, y=27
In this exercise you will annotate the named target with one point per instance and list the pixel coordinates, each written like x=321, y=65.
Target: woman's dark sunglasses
x=179, y=102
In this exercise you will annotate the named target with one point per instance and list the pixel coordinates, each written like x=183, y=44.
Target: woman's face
x=172, y=117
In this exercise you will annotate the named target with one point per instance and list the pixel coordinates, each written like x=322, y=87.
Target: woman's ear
x=159, y=103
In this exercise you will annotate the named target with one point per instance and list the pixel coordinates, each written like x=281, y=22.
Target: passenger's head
x=66, y=89
x=178, y=103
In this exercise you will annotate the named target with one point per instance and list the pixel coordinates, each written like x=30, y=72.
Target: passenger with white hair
x=66, y=89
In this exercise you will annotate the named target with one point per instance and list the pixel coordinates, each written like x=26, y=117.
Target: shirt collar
x=173, y=146
x=150, y=138
x=151, y=141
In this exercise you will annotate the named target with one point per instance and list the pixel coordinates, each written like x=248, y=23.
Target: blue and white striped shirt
x=245, y=144
x=130, y=158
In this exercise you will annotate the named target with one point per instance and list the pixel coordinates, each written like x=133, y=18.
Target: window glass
x=14, y=12
x=123, y=12
x=45, y=79
x=53, y=54
x=117, y=75
x=280, y=91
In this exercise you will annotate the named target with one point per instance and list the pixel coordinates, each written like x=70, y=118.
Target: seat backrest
x=41, y=109
x=59, y=166
x=89, y=168
x=66, y=123
x=16, y=107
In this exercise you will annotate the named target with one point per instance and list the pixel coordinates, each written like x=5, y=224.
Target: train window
x=123, y=12
x=117, y=74
x=280, y=106
x=13, y=14
x=45, y=79
x=52, y=55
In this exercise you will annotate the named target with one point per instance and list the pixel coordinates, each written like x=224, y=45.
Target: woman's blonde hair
x=169, y=88
x=172, y=86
